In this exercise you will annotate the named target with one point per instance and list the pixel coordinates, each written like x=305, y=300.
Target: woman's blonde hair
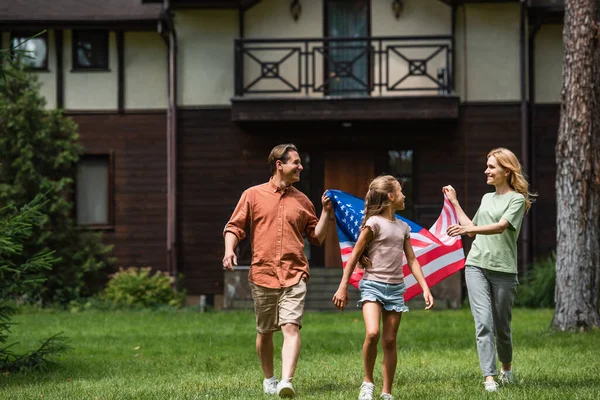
x=376, y=202
x=516, y=179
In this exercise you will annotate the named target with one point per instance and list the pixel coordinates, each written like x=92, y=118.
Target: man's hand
x=327, y=205
x=229, y=260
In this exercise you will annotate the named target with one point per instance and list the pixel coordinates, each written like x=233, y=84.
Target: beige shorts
x=276, y=307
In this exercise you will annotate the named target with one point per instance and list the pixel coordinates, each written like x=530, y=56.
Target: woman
x=491, y=266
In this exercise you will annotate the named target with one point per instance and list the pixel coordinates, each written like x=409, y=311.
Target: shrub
x=139, y=287
x=537, y=286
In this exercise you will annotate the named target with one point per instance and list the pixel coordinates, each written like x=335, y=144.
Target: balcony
x=344, y=79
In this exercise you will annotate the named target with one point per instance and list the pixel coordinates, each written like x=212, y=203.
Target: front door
x=347, y=62
x=351, y=172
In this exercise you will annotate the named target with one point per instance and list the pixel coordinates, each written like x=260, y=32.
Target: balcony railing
x=345, y=66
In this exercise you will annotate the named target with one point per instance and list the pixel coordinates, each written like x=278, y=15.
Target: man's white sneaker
x=366, y=391
x=270, y=386
x=285, y=389
x=506, y=377
x=490, y=386
x=386, y=396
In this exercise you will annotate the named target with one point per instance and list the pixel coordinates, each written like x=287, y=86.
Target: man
x=279, y=215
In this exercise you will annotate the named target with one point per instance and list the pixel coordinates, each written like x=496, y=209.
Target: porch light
x=295, y=9
x=397, y=7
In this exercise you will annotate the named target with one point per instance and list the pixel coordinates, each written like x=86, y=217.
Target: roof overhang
x=130, y=25
x=214, y=4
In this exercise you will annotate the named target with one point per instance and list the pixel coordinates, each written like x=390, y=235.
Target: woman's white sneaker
x=490, y=386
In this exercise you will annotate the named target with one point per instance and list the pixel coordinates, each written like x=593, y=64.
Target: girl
x=491, y=266
x=385, y=239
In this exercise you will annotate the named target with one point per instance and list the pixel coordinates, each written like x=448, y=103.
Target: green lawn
x=187, y=355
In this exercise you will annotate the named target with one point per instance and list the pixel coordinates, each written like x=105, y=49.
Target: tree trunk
x=578, y=171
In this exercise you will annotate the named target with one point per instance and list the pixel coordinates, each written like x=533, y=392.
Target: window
x=33, y=50
x=401, y=165
x=90, y=50
x=304, y=186
x=347, y=62
x=93, y=191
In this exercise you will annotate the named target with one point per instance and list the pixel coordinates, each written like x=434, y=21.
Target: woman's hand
x=457, y=230
x=450, y=193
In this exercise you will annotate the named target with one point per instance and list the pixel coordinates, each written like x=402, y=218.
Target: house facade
x=179, y=102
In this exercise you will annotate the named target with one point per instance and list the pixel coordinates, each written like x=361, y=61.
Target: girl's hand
x=340, y=298
x=450, y=193
x=457, y=230
x=428, y=299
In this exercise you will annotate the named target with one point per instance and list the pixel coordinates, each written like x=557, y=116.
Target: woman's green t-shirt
x=498, y=252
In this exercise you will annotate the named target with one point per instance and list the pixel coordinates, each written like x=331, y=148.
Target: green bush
x=537, y=286
x=139, y=287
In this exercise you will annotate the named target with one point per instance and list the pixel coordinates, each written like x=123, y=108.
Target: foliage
x=17, y=279
x=139, y=287
x=537, y=286
x=39, y=153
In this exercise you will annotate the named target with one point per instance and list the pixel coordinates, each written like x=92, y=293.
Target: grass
x=188, y=355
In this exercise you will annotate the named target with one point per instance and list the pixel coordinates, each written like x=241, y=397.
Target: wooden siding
x=140, y=202
x=218, y=160
x=546, y=120
x=215, y=165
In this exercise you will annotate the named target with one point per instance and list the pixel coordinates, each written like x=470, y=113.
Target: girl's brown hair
x=376, y=202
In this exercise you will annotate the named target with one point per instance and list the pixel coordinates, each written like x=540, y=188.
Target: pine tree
x=19, y=279
x=39, y=153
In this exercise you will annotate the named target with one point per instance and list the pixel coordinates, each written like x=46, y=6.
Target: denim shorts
x=389, y=295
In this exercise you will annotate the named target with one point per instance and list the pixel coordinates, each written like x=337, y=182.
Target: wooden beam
x=60, y=71
x=121, y=71
x=273, y=109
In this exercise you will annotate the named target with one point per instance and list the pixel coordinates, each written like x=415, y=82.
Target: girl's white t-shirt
x=386, y=250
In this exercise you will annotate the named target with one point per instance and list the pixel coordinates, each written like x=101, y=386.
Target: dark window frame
x=370, y=60
x=110, y=225
x=28, y=33
x=76, y=67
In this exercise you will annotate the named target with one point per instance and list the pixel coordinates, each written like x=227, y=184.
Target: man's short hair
x=280, y=152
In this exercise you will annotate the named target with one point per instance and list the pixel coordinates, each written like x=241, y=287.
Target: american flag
x=439, y=255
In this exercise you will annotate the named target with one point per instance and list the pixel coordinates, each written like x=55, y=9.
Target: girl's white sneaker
x=366, y=391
